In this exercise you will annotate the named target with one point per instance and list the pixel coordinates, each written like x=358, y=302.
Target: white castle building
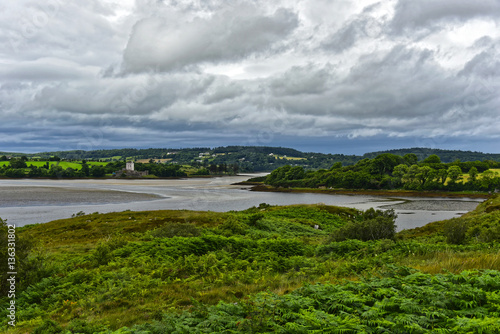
x=130, y=171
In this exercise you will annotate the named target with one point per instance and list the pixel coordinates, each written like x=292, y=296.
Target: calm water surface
x=30, y=201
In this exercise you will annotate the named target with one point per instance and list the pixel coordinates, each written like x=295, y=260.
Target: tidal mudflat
x=28, y=201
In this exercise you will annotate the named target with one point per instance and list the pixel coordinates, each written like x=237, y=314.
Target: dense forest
x=267, y=269
x=390, y=171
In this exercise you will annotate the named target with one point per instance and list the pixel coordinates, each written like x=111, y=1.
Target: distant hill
x=444, y=155
x=14, y=154
x=252, y=158
x=248, y=158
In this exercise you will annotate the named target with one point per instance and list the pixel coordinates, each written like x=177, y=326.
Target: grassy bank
x=399, y=192
x=290, y=269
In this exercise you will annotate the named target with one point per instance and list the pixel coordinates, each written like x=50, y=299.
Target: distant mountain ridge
x=421, y=152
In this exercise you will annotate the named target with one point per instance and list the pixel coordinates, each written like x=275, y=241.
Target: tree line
x=445, y=155
x=18, y=168
x=390, y=171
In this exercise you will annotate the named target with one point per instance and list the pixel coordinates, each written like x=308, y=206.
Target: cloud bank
x=343, y=75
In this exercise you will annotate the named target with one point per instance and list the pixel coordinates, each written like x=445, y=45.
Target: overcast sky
x=316, y=75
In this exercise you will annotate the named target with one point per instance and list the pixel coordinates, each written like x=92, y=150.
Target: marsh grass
x=455, y=262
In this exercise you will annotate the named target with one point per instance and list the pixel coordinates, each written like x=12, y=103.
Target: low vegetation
x=268, y=269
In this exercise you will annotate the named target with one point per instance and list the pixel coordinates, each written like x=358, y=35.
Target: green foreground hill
x=288, y=269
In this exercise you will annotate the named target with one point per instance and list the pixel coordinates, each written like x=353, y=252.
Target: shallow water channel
x=29, y=201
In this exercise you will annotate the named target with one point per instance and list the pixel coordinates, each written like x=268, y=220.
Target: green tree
x=235, y=168
x=385, y=163
x=295, y=173
x=398, y=174
x=423, y=174
x=442, y=175
x=473, y=174
x=487, y=178
x=400, y=170
x=336, y=165
x=18, y=163
x=432, y=159
x=410, y=178
x=212, y=168
x=410, y=159
x=15, y=172
x=56, y=171
x=277, y=176
x=454, y=173
x=35, y=172
x=85, y=168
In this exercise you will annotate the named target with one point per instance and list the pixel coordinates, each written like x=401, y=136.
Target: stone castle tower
x=130, y=165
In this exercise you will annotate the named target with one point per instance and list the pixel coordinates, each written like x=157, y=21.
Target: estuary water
x=29, y=201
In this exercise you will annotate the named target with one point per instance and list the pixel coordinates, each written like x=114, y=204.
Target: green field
x=288, y=158
x=466, y=177
x=63, y=164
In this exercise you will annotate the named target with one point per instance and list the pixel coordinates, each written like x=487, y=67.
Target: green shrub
x=171, y=230
x=30, y=263
x=340, y=248
x=48, y=327
x=455, y=231
x=254, y=218
x=373, y=229
x=80, y=326
x=231, y=227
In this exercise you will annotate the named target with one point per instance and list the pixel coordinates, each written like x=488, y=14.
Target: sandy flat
x=434, y=205
x=35, y=196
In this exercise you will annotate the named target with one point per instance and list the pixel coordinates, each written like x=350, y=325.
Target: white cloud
x=232, y=34
x=425, y=14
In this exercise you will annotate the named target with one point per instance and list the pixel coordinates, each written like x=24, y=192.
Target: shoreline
x=120, y=178
x=385, y=193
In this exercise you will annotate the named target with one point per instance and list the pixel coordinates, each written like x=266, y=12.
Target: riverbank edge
x=392, y=193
